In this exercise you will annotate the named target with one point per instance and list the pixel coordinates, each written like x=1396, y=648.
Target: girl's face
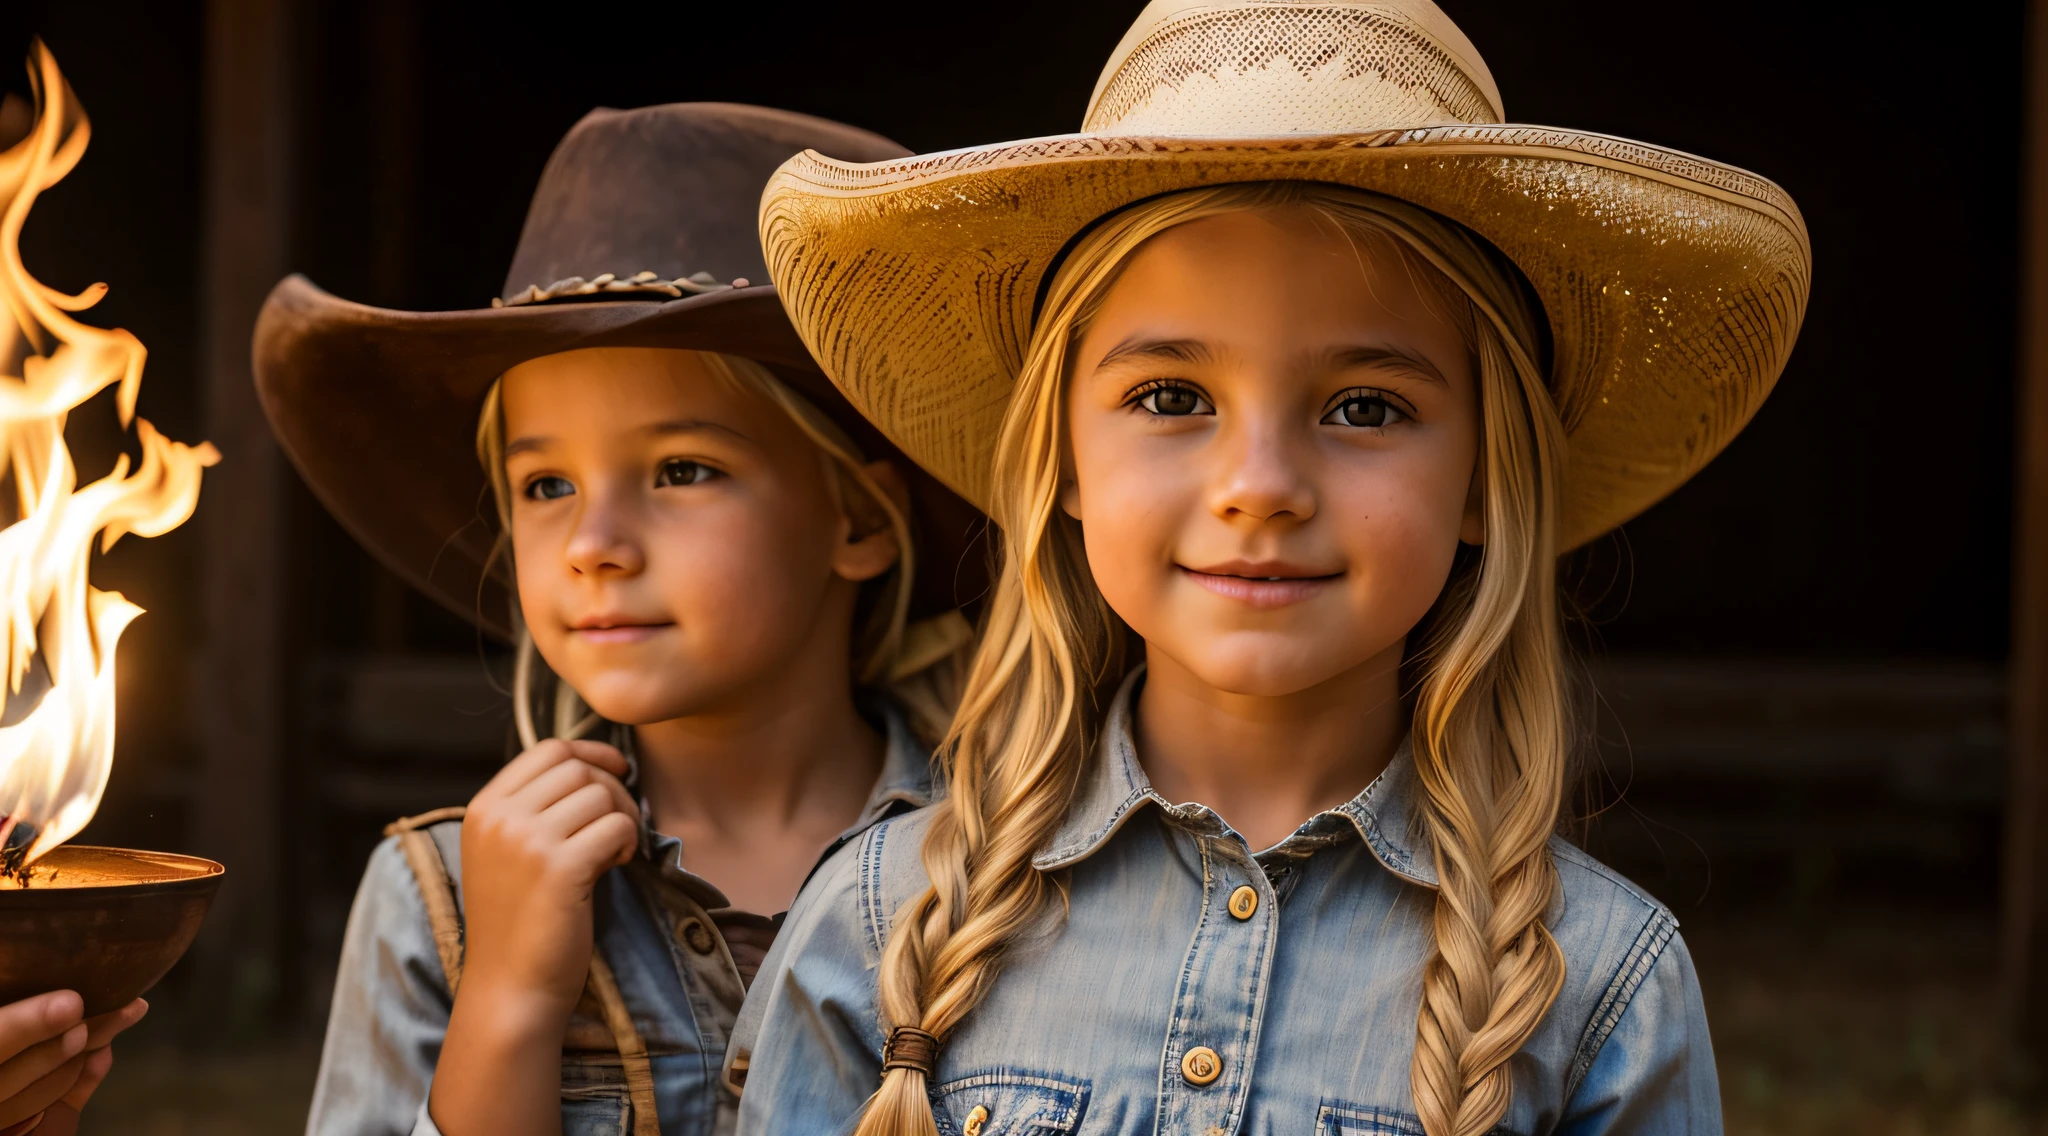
x=1273, y=437
x=678, y=541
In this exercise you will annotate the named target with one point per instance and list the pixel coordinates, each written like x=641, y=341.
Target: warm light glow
x=60, y=631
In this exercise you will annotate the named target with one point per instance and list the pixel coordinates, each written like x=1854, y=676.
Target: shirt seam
x=871, y=884
x=1643, y=955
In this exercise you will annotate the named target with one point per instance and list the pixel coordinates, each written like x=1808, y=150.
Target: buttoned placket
x=703, y=962
x=1212, y=1041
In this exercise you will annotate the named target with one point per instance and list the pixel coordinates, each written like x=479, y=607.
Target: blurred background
x=1816, y=662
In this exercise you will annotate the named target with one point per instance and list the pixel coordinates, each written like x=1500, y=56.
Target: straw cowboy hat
x=1673, y=285
x=640, y=234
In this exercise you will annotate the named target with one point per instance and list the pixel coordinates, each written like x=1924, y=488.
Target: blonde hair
x=922, y=678
x=1491, y=721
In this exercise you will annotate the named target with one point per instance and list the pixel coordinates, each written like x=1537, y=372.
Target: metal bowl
x=106, y=922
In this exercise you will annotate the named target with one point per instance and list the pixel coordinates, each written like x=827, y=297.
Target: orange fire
x=61, y=632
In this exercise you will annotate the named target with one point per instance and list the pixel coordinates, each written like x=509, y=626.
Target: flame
x=60, y=631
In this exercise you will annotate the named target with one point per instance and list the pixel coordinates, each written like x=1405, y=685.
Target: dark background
x=1801, y=651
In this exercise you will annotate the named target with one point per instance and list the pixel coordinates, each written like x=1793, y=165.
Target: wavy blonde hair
x=1491, y=722
x=923, y=680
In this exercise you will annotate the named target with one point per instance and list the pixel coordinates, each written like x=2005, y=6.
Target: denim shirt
x=1306, y=997
x=654, y=926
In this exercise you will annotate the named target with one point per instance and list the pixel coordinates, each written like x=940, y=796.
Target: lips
x=610, y=630
x=1265, y=585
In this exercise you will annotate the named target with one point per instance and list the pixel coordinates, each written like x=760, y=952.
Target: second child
x=726, y=663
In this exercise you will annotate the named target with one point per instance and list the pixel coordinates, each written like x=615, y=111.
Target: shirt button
x=1200, y=1065
x=699, y=937
x=1243, y=902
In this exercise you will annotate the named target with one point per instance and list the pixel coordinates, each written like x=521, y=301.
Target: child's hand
x=534, y=842
x=51, y=1060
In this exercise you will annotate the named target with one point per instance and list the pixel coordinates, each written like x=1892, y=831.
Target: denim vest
x=654, y=928
x=1195, y=987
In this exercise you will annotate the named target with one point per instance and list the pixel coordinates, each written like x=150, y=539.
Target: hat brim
x=378, y=410
x=1674, y=286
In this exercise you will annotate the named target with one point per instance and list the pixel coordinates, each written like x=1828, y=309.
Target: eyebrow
x=1169, y=350
x=526, y=442
x=1376, y=356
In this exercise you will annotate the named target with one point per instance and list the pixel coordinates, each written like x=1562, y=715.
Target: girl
x=1257, y=769
x=712, y=558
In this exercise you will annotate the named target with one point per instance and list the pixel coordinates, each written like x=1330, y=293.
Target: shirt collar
x=1115, y=787
x=905, y=780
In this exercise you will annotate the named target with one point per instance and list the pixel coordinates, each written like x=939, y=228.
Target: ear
x=1070, y=497
x=1472, y=526
x=1070, y=485
x=870, y=548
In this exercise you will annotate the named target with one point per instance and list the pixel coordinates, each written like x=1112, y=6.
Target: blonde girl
x=1254, y=784
x=725, y=661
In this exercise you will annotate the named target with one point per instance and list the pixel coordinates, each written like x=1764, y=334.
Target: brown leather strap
x=437, y=891
x=632, y=1049
x=910, y=1048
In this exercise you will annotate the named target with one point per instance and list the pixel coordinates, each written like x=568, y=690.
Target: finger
x=606, y=841
x=601, y=754
x=23, y=1127
x=42, y=1092
x=621, y=799
x=33, y=1065
x=38, y=1019
x=102, y=1030
x=557, y=783
x=521, y=770
x=98, y=1063
x=568, y=815
x=536, y=795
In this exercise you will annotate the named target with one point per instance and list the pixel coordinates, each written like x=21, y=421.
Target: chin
x=1263, y=667
x=631, y=702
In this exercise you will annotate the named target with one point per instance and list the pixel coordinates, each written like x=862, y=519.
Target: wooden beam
x=2025, y=946
x=238, y=808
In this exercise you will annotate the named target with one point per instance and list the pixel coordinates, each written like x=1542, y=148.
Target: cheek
x=1402, y=530
x=537, y=553
x=1132, y=497
x=741, y=574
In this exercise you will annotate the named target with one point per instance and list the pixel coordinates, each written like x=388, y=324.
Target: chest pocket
x=1351, y=1120
x=1009, y=1104
x=1338, y=1119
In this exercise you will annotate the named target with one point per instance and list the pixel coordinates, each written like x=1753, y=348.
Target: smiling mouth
x=1260, y=586
x=606, y=631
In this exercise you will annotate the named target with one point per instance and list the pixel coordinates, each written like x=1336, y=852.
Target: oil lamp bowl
x=106, y=922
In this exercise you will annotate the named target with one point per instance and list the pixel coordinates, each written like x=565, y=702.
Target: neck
x=1266, y=764
x=772, y=756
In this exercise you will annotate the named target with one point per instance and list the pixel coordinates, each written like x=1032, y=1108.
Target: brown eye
x=1175, y=402
x=549, y=488
x=1363, y=410
x=676, y=471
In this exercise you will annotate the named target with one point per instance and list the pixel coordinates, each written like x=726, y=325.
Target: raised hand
x=534, y=843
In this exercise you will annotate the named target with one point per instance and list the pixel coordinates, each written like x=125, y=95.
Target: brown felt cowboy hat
x=641, y=234
x=1673, y=285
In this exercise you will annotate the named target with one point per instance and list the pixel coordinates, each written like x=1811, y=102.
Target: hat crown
x=1265, y=68
x=671, y=190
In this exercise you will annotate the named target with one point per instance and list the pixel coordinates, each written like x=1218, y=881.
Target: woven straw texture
x=1674, y=286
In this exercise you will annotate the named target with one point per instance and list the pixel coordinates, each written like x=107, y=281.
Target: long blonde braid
x=1490, y=719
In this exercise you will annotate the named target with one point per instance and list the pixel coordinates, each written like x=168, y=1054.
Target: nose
x=605, y=540
x=1262, y=472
